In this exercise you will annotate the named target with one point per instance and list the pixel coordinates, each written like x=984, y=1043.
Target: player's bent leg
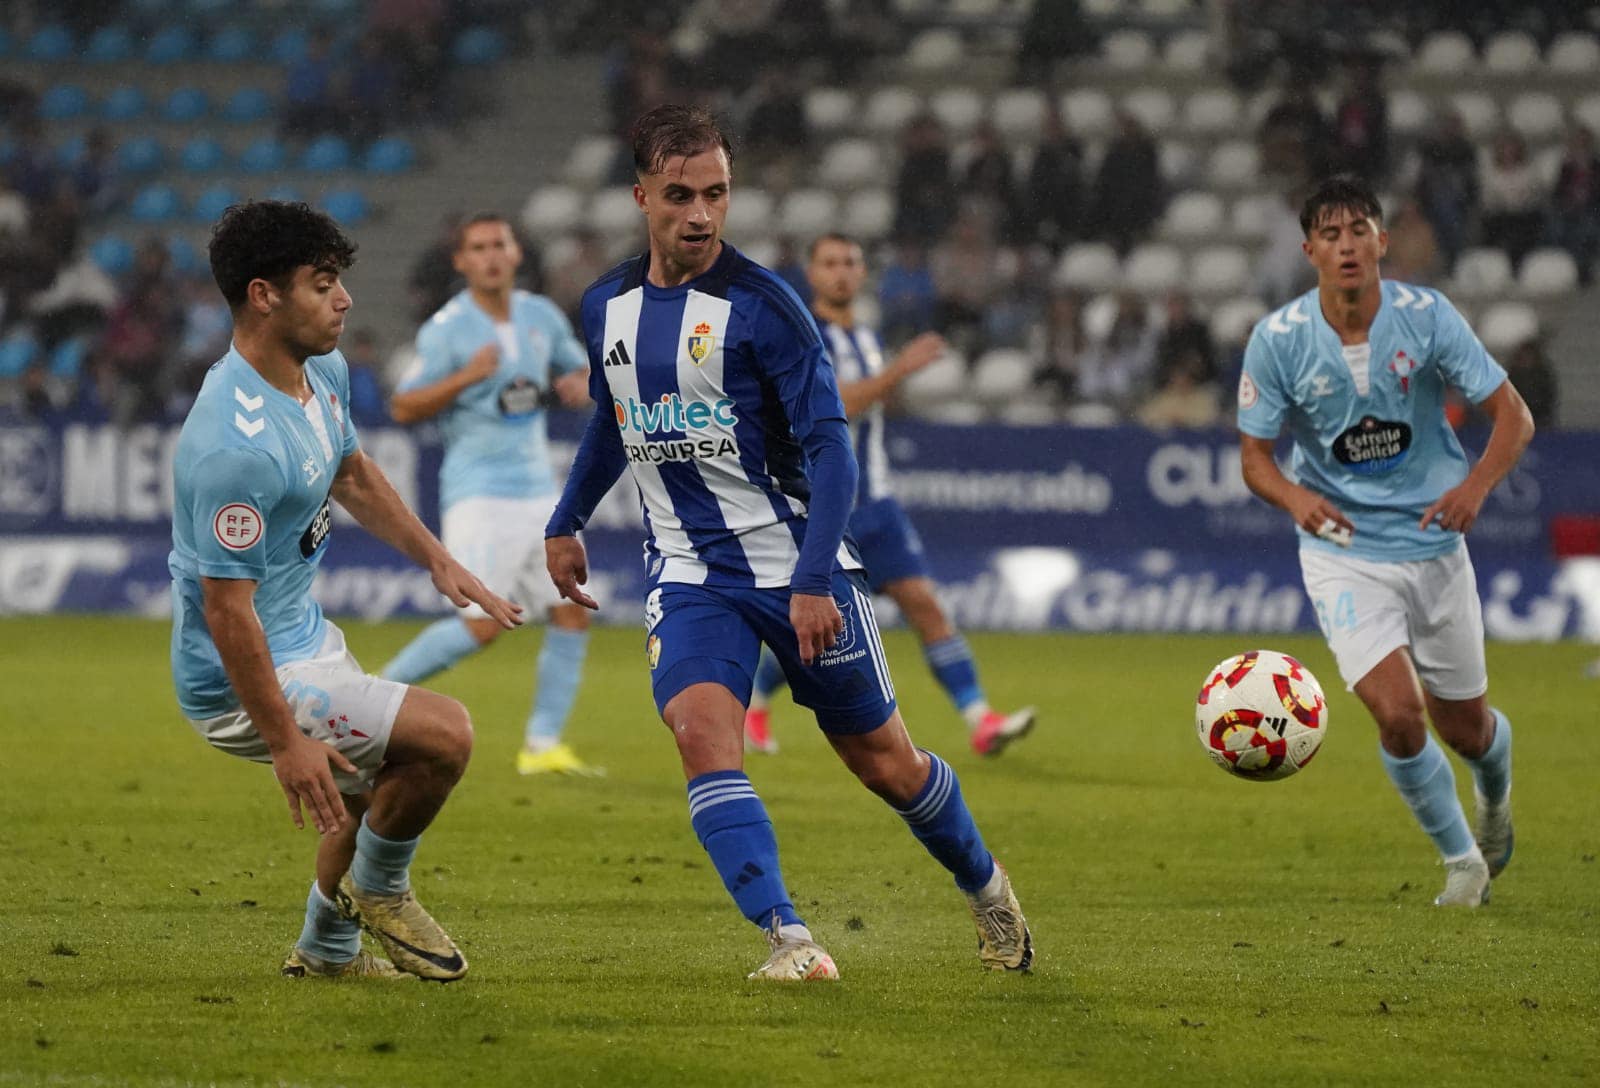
x=758, y=716
x=560, y=672
x=1482, y=735
x=440, y=646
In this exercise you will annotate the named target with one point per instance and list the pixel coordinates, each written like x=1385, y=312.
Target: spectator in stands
x=1114, y=371
x=863, y=31
x=1361, y=123
x=907, y=297
x=567, y=279
x=433, y=280
x=132, y=355
x=925, y=192
x=1060, y=344
x=987, y=184
x=1054, y=31
x=309, y=106
x=776, y=136
x=1513, y=198
x=96, y=178
x=1183, y=399
x=1051, y=208
x=1575, y=204
x=1531, y=373
x=1294, y=138
x=637, y=79
x=371, y=90
x=789, y=266
x=77, y=297
x=368, y=399
x=1014, y=305
x=414, y=34
x=32, y=170
x=1128, y=194
x=1447, y=182
x=1413, y=255
x=964, y=273
x=13, y=211
x=1185, y=344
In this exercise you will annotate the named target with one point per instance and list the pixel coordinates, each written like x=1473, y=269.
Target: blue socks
x=327, y=934
x=560, y=669
x=769, y=677
x=381, y=866
x=939, y=818
x=439, y=646
x=732, y=825
x=1429, y=786
x=952, y=665
x=1491, y=772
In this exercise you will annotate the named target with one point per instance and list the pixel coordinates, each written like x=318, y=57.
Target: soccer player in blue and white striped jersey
x=714, y=388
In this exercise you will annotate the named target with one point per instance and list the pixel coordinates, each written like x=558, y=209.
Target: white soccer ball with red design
x=1261, y=715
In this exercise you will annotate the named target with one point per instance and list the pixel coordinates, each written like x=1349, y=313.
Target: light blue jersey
x=1368, y=420
x=251, y=476
x=494, y=431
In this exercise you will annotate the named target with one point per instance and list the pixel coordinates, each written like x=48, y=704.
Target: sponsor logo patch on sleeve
x=237, y=526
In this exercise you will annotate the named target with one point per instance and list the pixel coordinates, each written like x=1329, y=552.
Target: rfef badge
x=701, y=343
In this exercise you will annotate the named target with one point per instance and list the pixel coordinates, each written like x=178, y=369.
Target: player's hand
x=484, y=362
x=1456, y=510
x=462, y=587
x=1312, y=512
x=817, y=624
x=568, y=565
x=918, y=353
x=572, y=389
x=303, y=772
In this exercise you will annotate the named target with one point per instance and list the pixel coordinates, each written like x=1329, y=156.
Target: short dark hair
x=268, y=240
x=830, y=236
x=667, y=132
x=1343, y=192
x=458, y=233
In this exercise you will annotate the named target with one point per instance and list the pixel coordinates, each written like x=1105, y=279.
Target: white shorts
x=1367, y=610
x=334, y=702
x=502, y=542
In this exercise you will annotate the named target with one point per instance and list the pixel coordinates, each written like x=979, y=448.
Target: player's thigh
x=699, y=635
x=847, y=687
x=430, y=728
x=888, y=543
x=1359, y=606
x=1447, y=627
x=496, y=539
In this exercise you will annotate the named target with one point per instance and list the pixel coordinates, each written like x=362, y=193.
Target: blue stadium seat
x=67, y=357
x=70, y=150
x=286, y=193
x=348, y=206
x=113, y=253
x=479, y=45
x=141, y=155
x=326, y=154
x=156, y=204
x=210, y=204
x=8, y=151
x=171, y=44
x=124, y=103
x=109, y=44
x=248, y=106
x=63, y=102
x=186, y=104
x=335, y=9
x=390, y=155
x=202, y=155
x=289, y=46
x=231, y=44
x=263, y=156
x=5, y=42
x=17, y=353
x=53, y=42
x=183, y=254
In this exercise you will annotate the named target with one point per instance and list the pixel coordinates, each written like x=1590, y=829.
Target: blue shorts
x=713, y=634
x=888, y=543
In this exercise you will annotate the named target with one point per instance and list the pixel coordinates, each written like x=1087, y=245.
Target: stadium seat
x=202, y=155
x=1193, y=215
x=390, y=155
x=959, y=109
x=1536, y=115
x=1219, y=270
x=1176, y=161
x=1252, y=216
x=477, y=46
x=1235, y=164
x=1504, y=326
x=1231, y=321
x=71, y=150
x=941, y=381
x=112, y=253
x=1212, y=112
x=1388, y=45
x=1153, y=268
x=1547, y=272
x=185, y=105
x=762, y=250
x=63, y=102
x=156, y=203
x=1187, y=51
x=1127, y=50
x=50, y=43
x=850, y=164
x=1586, y=112
x=751, y=214
x=141, y=155
x=288, y=45
x=1031, y=411
x=1090, y=415
x=591, y=160
x=1002, y=375
x=182, y=253
x=348, y=206
x=869, y=214
x=231, y=44
x=18, y=351
x=889, y=109
x=974, y=9
x=212, y=202
x=5, y=42
x=1018, y=114
x=1574, y=53
x=248, y=106
x=1482, y=272
x=67, y=358
x=264, y=155
x=1409, y=112
x=935, y=50
x=1445, y=53
x=1107, y=10
x=1165, y=11
x=556, y=208
x=1087, y=112
x=829, y=109
x=1087, y=266
x=1154, y=108
x=123, y=103
x=108, y=45
x=171, y=44
x=952, y=413
x=285, y=192
x=806, y=213
x=325, y=155
x=1511, y=53
x=613, y=211
x=1479, y=112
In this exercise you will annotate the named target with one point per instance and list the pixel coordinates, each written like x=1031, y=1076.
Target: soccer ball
x=1261, y=715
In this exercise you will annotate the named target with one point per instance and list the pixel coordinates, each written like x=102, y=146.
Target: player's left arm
x=569, y=362
x=362, y=488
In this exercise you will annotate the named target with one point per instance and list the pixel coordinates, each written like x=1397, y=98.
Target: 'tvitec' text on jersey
x=858, y=355
x=709, y=382
x=251, y=479
x=494, y=431
x=1368, y=420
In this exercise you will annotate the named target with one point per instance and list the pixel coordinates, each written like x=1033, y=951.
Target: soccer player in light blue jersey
x=889, y=546
x=1383, y=496
x=259, y=672
x=713, y=386
x=489, y=364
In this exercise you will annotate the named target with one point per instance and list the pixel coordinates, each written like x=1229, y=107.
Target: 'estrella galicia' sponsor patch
x=317, y=531
x=1373, y=446
x=521, y=396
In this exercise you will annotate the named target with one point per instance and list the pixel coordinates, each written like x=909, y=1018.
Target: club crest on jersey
x=1401, y=366
x=652, y=650
x=701, y=343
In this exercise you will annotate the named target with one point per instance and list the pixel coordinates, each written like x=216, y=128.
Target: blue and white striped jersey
x=714, y=386
x=1368, y=420
x=857, y=355
x=251, y=479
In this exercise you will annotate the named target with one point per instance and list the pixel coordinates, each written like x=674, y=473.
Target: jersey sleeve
x=1461, y=356
x=789, y=350
x=434, y=362
x=234, y=492
x=567, y=355
x=1263, y=398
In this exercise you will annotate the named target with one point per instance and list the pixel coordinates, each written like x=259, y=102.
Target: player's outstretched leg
x=758, y=718
x=1491, y=782
x=438, y=647
x=1428, y=785
x=560, y=671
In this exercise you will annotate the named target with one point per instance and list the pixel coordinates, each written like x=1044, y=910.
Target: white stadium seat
x=1252, y=216
x=1546, y=272
x=1511, y=53
x=1506, y=325
x=1187, y=51
x=1193, y=215
x=1033, y=411
x=1586, y=112
x=1176, y=161
x=956, y=413
x=890, y=108
x=749, y=214
x=1127, y=50
x=591, y=160
x=1232, y=320
x=1483, y=272
x=935, y=50
x=1547, y=164
x=553, y=209
x=829, y=109
x=1388, y=45
x=1153, y=269
x=1574, y=53
x=1100, y=9
x=959, y=109
x=1165, y=10
x=942, y=380
x=1002, y=375
x=613, y=211
x=1537, y=115
x=1087, y=112
x=1219, y=270
x=763, y=251
x=1409, y=112
x=1445, y=53
x=869, y=214
x=1235, y=164
x=1211, y=112
x=1154, y=108
x=974, y=9
x=851, y=163
x=1088, y=266
x=1018, y=114
x=806, y=213
x=1479, y=112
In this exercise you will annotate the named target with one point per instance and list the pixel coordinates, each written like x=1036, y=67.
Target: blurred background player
x=1357, y=369
x=890, y=550
x=488, y=365
x=259, y=672
x=713, y=389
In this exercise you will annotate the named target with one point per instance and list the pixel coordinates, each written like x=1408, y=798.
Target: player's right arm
x=436, y=382
x=860, y=395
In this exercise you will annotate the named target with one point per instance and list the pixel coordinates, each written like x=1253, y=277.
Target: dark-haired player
x=713, y=386
x=259, y=672
x=1383, y=495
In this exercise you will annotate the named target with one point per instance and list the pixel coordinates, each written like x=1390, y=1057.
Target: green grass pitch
x=1191, y=928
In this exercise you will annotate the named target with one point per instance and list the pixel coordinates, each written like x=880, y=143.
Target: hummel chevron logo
x=1293, y=314
x=618, y=355
x=250, y=427
x=1408, y=297
x=251, y=404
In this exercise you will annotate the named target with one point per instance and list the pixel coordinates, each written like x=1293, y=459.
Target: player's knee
x=454, y=747
x=890, y=775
